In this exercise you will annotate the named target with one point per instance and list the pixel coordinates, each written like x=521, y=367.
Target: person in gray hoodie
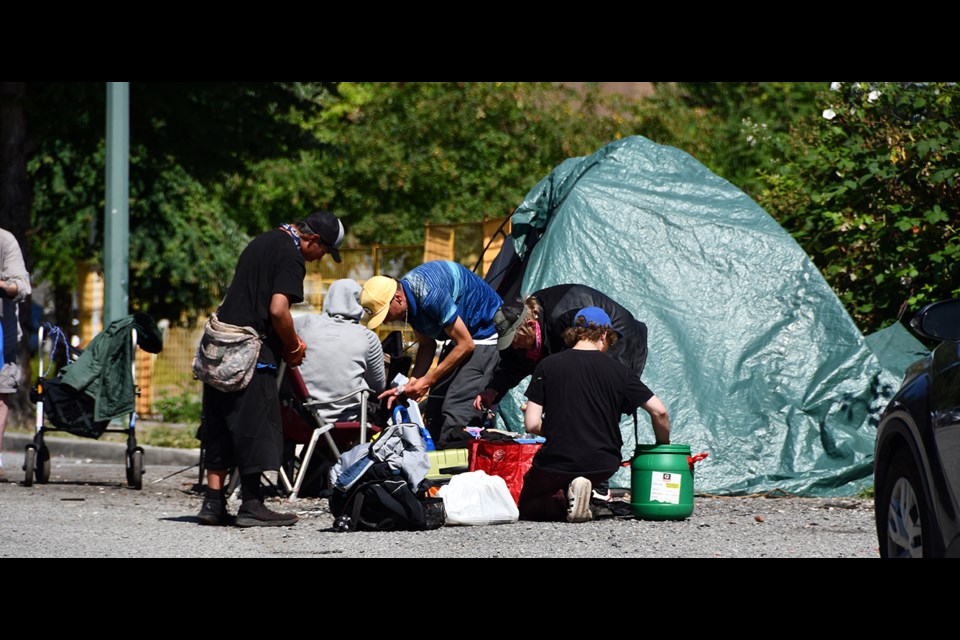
x=342, y=355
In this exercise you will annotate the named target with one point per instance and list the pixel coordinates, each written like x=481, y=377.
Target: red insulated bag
x=509, y=460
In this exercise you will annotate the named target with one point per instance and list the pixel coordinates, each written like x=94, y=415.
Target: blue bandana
x=293, y=234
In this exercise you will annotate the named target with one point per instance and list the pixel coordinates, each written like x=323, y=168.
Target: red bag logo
x=499, y=455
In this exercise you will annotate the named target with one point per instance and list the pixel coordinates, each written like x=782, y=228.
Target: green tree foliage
x=187, y=139
x=737, y=129
x=402, y=153
x=870, y=190
x=182, y=244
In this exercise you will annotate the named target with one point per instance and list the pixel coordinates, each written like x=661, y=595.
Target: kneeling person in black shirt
x=575, y=399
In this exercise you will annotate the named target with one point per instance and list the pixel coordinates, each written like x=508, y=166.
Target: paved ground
x=86, y=511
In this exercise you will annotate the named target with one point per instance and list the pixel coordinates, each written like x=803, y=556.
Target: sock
x=214, y=494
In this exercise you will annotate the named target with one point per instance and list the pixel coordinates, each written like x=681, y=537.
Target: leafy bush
x=871, y=193
x=183, y=408
x=169, y=436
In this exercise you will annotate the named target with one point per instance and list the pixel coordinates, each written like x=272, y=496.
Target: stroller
x=97, y=385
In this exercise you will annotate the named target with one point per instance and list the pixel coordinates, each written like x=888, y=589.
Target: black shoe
x=253, y=513
x=600, y=508
x=214, y=513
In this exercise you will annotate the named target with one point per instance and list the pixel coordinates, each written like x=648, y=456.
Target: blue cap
x=597, y=316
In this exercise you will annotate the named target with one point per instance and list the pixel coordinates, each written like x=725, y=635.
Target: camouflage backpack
x=227, y=355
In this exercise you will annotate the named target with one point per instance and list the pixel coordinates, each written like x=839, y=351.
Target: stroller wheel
x=29, y=458
x=43, y=465
x=135, y=469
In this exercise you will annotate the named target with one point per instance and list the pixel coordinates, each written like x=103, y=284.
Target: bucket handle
x=692, y=460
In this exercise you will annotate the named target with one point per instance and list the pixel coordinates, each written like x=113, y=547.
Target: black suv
x=917, y=454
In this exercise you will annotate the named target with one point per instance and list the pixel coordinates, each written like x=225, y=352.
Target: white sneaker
x=602, y=497
x=578, y=500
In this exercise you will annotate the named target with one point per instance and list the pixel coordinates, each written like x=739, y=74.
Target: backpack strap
x=357, y=507
x=354, y=502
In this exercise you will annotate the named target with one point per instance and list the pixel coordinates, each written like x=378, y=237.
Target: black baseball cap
x=328, y=227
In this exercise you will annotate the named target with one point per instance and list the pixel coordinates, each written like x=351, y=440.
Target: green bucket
x=662, y=481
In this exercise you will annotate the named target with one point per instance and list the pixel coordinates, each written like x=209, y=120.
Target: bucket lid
x=664, y=448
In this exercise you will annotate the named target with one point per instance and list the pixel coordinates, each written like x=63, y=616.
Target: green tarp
x=755, y=357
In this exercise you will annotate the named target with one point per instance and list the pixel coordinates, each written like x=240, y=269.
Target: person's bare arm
x=293, y=348
x=533, y=418
x=426, y=349
x=660, y=419
x=462, y=348
x=423, y=378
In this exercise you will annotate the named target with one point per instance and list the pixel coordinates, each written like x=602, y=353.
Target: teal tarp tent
x=755, y=357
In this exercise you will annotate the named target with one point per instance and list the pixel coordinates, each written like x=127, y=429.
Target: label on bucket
x=665, y=486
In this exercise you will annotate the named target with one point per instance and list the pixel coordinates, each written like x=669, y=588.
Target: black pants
x=544, y=494
x=242, y=428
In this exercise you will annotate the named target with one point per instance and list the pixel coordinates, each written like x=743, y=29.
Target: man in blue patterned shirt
x=442, y=301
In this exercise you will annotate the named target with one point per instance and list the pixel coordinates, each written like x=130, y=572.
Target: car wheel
x=906, y=523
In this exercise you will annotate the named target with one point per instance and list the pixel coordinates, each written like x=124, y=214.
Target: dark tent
x=753, y=354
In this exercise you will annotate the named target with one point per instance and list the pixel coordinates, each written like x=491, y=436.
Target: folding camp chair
x=303, y=425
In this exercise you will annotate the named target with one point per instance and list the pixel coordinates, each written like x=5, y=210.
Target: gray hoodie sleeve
x=375, y=376
x=12, y=267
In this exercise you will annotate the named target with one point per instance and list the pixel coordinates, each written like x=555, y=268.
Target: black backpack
x=383, y=501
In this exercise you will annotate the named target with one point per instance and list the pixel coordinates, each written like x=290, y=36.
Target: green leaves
x=451, y=151
x=895, y=145
x=185, y=139
x=935, y=215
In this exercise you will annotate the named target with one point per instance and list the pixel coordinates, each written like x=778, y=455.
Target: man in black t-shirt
x=575, y=400
x=241, y=429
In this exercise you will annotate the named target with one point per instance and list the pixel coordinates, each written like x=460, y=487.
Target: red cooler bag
x=509, y=460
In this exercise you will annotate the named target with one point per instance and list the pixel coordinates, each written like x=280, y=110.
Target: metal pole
x=116, y=245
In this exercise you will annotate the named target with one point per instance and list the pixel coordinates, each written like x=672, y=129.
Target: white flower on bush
x=829, y=114
x=835, y=86
x=873, y=96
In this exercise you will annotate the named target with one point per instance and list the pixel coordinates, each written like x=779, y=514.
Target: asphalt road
x=86, y=511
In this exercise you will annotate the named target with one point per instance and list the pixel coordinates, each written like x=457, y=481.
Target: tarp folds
x=751, y=351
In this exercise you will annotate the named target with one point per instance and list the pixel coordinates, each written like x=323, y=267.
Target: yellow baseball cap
x=375, y=299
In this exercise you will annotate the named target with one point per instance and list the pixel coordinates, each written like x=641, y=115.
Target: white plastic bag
x=475, y=498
